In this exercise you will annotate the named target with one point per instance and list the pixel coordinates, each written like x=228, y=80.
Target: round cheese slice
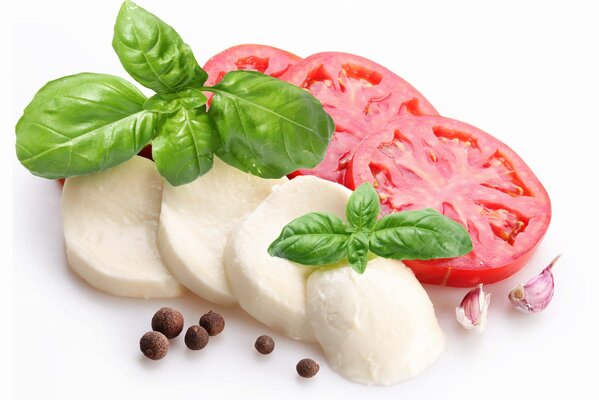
x=271, y=289
x=195, y=223
x=376, y=328
x=110, y=220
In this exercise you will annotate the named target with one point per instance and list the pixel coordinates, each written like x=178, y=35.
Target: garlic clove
x=535, y=294
x=472, y=312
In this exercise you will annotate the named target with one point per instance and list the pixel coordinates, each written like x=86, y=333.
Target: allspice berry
x=154, y=345
x=307, y=368
x=264, y=344
x=196, y=337
x=214, y=323
x=168, y=321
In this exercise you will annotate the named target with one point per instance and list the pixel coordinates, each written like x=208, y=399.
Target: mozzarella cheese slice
x=270, y=289
x=376, y=328
x=196, y=220
x=110, y=221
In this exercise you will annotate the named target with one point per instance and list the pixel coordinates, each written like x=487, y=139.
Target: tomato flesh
x=360, y=95
x=467, y=175
x=252, y=57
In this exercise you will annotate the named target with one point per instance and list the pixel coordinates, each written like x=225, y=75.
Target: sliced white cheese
x=110, y=221
x=196, y=220
x=376, y=328
x=273, y=290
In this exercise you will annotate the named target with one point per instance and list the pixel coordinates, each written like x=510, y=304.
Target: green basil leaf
x=268, y=127
x=81, y=124
x=184, y=146
x=191, y=98
x=313, y=239
x=419, y=235
x=357, y=251
x=162, y=104
x=363, y=207
x=153, y=53
x=168, y=103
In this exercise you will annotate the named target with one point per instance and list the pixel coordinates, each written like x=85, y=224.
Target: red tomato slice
x=360, y=95
x=253, y=57
x=469, y=176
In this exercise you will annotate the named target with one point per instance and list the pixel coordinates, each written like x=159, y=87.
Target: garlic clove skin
x=535, y=294
x=473, y=310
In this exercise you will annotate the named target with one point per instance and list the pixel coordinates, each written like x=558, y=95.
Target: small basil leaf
x=419, y=235
x=313, y=239
x=268, y=127
x=363, y=207
x=81, y=124
x=184, y=146
x=191, y=98
x=162, y=104
x=167, y=103
x=153, y=53
x=357, y=251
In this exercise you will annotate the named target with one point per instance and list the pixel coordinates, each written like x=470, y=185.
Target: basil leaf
x=268, y=127
x=81, y=124
x=419, y=235
x=184, y=146
x=357, y=251
x=153, y=53
x=167, y=103
x=363, y=207
x=162, y=104
x=313, y=239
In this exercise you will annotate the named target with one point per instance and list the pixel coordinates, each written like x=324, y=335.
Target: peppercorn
x=154, y=345
x=213, y=322
x=196, y=337
x=264, y=344
x=168, y=321
x=307, y=368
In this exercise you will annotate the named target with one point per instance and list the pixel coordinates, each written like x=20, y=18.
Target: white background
x=526, y=72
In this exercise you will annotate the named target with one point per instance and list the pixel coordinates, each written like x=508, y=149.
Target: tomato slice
x=469, y=176
x=253, y=57
x=360, y=95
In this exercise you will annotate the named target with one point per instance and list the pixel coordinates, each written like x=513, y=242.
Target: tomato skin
x=360, y=95
x=428, y=273
x=253, y=57
x=469, y=176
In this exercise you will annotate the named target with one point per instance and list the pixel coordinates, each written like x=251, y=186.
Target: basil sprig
x=86, y=123
x=320, y=239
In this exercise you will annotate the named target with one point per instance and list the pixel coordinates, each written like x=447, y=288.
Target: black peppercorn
x=213, y=322
x=264, y=344
x=154, y=345
x=168, y=321
x=196, y=337
x=307, y=368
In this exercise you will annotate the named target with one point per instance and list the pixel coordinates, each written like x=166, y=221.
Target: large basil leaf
x=153, y=53
x=357, y=251
x=313, y=239
x=81, y=124
x=184, y=146
x=419, y=235
x=267, y=127
x=363, y=207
